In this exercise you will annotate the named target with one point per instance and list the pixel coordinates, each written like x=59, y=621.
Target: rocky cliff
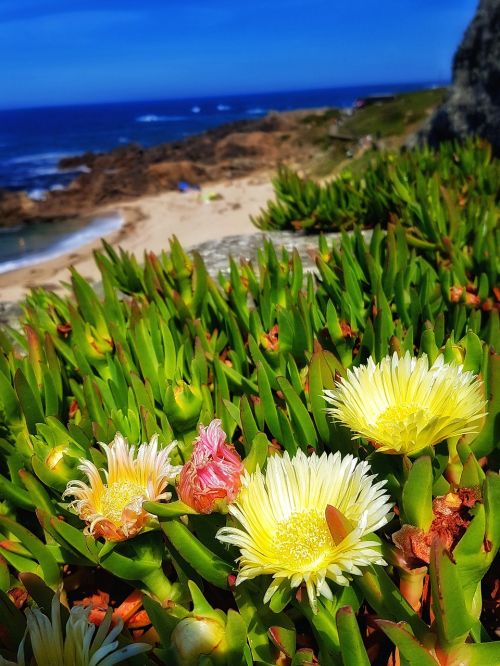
x=229, y=151
x=473, y=104
x=302, y=139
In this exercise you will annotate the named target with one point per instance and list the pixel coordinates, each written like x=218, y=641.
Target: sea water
x=32, y=243
x=33, y=141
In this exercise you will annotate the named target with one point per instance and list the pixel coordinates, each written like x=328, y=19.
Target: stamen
x=117, y=496
x=302, y=539
x=400, y=416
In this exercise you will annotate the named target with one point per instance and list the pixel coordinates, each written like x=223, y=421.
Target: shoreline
x=86, y=230
x=235, y=162
x=148, y=223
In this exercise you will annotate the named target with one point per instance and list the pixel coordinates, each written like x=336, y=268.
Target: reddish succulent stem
x=411, y=587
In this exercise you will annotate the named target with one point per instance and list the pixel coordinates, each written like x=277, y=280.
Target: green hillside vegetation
x=393, y=117
x=338, y=133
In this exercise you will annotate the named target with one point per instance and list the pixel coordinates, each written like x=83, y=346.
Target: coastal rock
x=14, y=207
x=127, y=172
x=229, y=151
x=216, y=253
x=245, y=144
x=473, y=104
x=166, y=175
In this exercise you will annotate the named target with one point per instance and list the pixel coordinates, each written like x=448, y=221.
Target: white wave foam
x=153, y=118
x=53, y=170
x=98, y=227
x=257, y=111
x=43, y=171
x=37, y=194
x=223, y=107
x=196, y=109
x=83, y=168
x=39, y=158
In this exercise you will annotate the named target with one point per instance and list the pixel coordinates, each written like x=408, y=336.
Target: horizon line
x=437, y=83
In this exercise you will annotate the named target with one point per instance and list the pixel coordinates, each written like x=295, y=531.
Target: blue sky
x=74, y=51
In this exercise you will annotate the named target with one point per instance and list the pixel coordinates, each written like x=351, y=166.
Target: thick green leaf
x=417, y=494
x=236, y=638
x=14, y=620
x=351, y=644
x=209, y=565
x=257, y=457
x=166, y=510
x=485, y=654
x=386, y=599
x=36, y=547
x=452, y=618
x=411, y=650
x=30, y=402
x=257, y=635
x=299, y=414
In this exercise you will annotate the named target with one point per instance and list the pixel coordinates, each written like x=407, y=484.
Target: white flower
x=284, y=529
x=80, y=644
x=114, y=509
x=403, y=406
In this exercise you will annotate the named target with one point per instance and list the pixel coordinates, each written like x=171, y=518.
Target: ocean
x=32, y=141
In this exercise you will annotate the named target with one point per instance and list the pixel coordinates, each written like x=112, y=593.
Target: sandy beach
x=148, y=224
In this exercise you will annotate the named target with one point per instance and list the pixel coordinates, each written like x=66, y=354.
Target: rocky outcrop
x=473, y=104
x=131, y=171
x=15, y=207
x=301, y=139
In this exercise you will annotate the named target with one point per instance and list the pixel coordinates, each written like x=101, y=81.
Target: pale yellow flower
x=283, y=530
x=403, y=406
x=79, y=643
x=113, y=509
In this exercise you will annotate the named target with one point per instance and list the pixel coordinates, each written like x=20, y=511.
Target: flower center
x=403, y=415
x=117, y=496
x=302, y=539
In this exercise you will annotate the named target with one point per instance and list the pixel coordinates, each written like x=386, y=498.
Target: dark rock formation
x=298, y=138
x=14, y=207
x=473, y=104
x=231, y=150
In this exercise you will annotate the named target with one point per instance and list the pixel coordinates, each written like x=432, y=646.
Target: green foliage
x=447, y=202
x=168, y=346
x=392, y=116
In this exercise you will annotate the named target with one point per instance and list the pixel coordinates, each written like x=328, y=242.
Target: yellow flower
x=113, y=509
x=284, y=529
x=403, y=406
x=79, y=644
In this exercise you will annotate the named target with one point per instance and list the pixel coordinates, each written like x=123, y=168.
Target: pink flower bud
x=210, y=480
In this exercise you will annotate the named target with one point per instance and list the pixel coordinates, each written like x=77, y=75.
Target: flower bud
x=56, y=466
x=183, y=404
x=210, y=480
x=195, y=637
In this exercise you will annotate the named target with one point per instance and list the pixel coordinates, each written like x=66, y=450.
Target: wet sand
x=149, y=222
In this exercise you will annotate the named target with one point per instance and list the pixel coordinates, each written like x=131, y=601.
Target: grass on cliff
x=394, y=117
x=390, y=122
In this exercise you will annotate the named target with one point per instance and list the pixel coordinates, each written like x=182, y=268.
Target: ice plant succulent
x=285, y=529
x=403, y=405
x=211, y=479
x=80, y=643
x=113, y=510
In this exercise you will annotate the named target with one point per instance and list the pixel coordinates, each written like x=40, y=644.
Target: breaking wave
x=257, y=111
x=153, y=118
